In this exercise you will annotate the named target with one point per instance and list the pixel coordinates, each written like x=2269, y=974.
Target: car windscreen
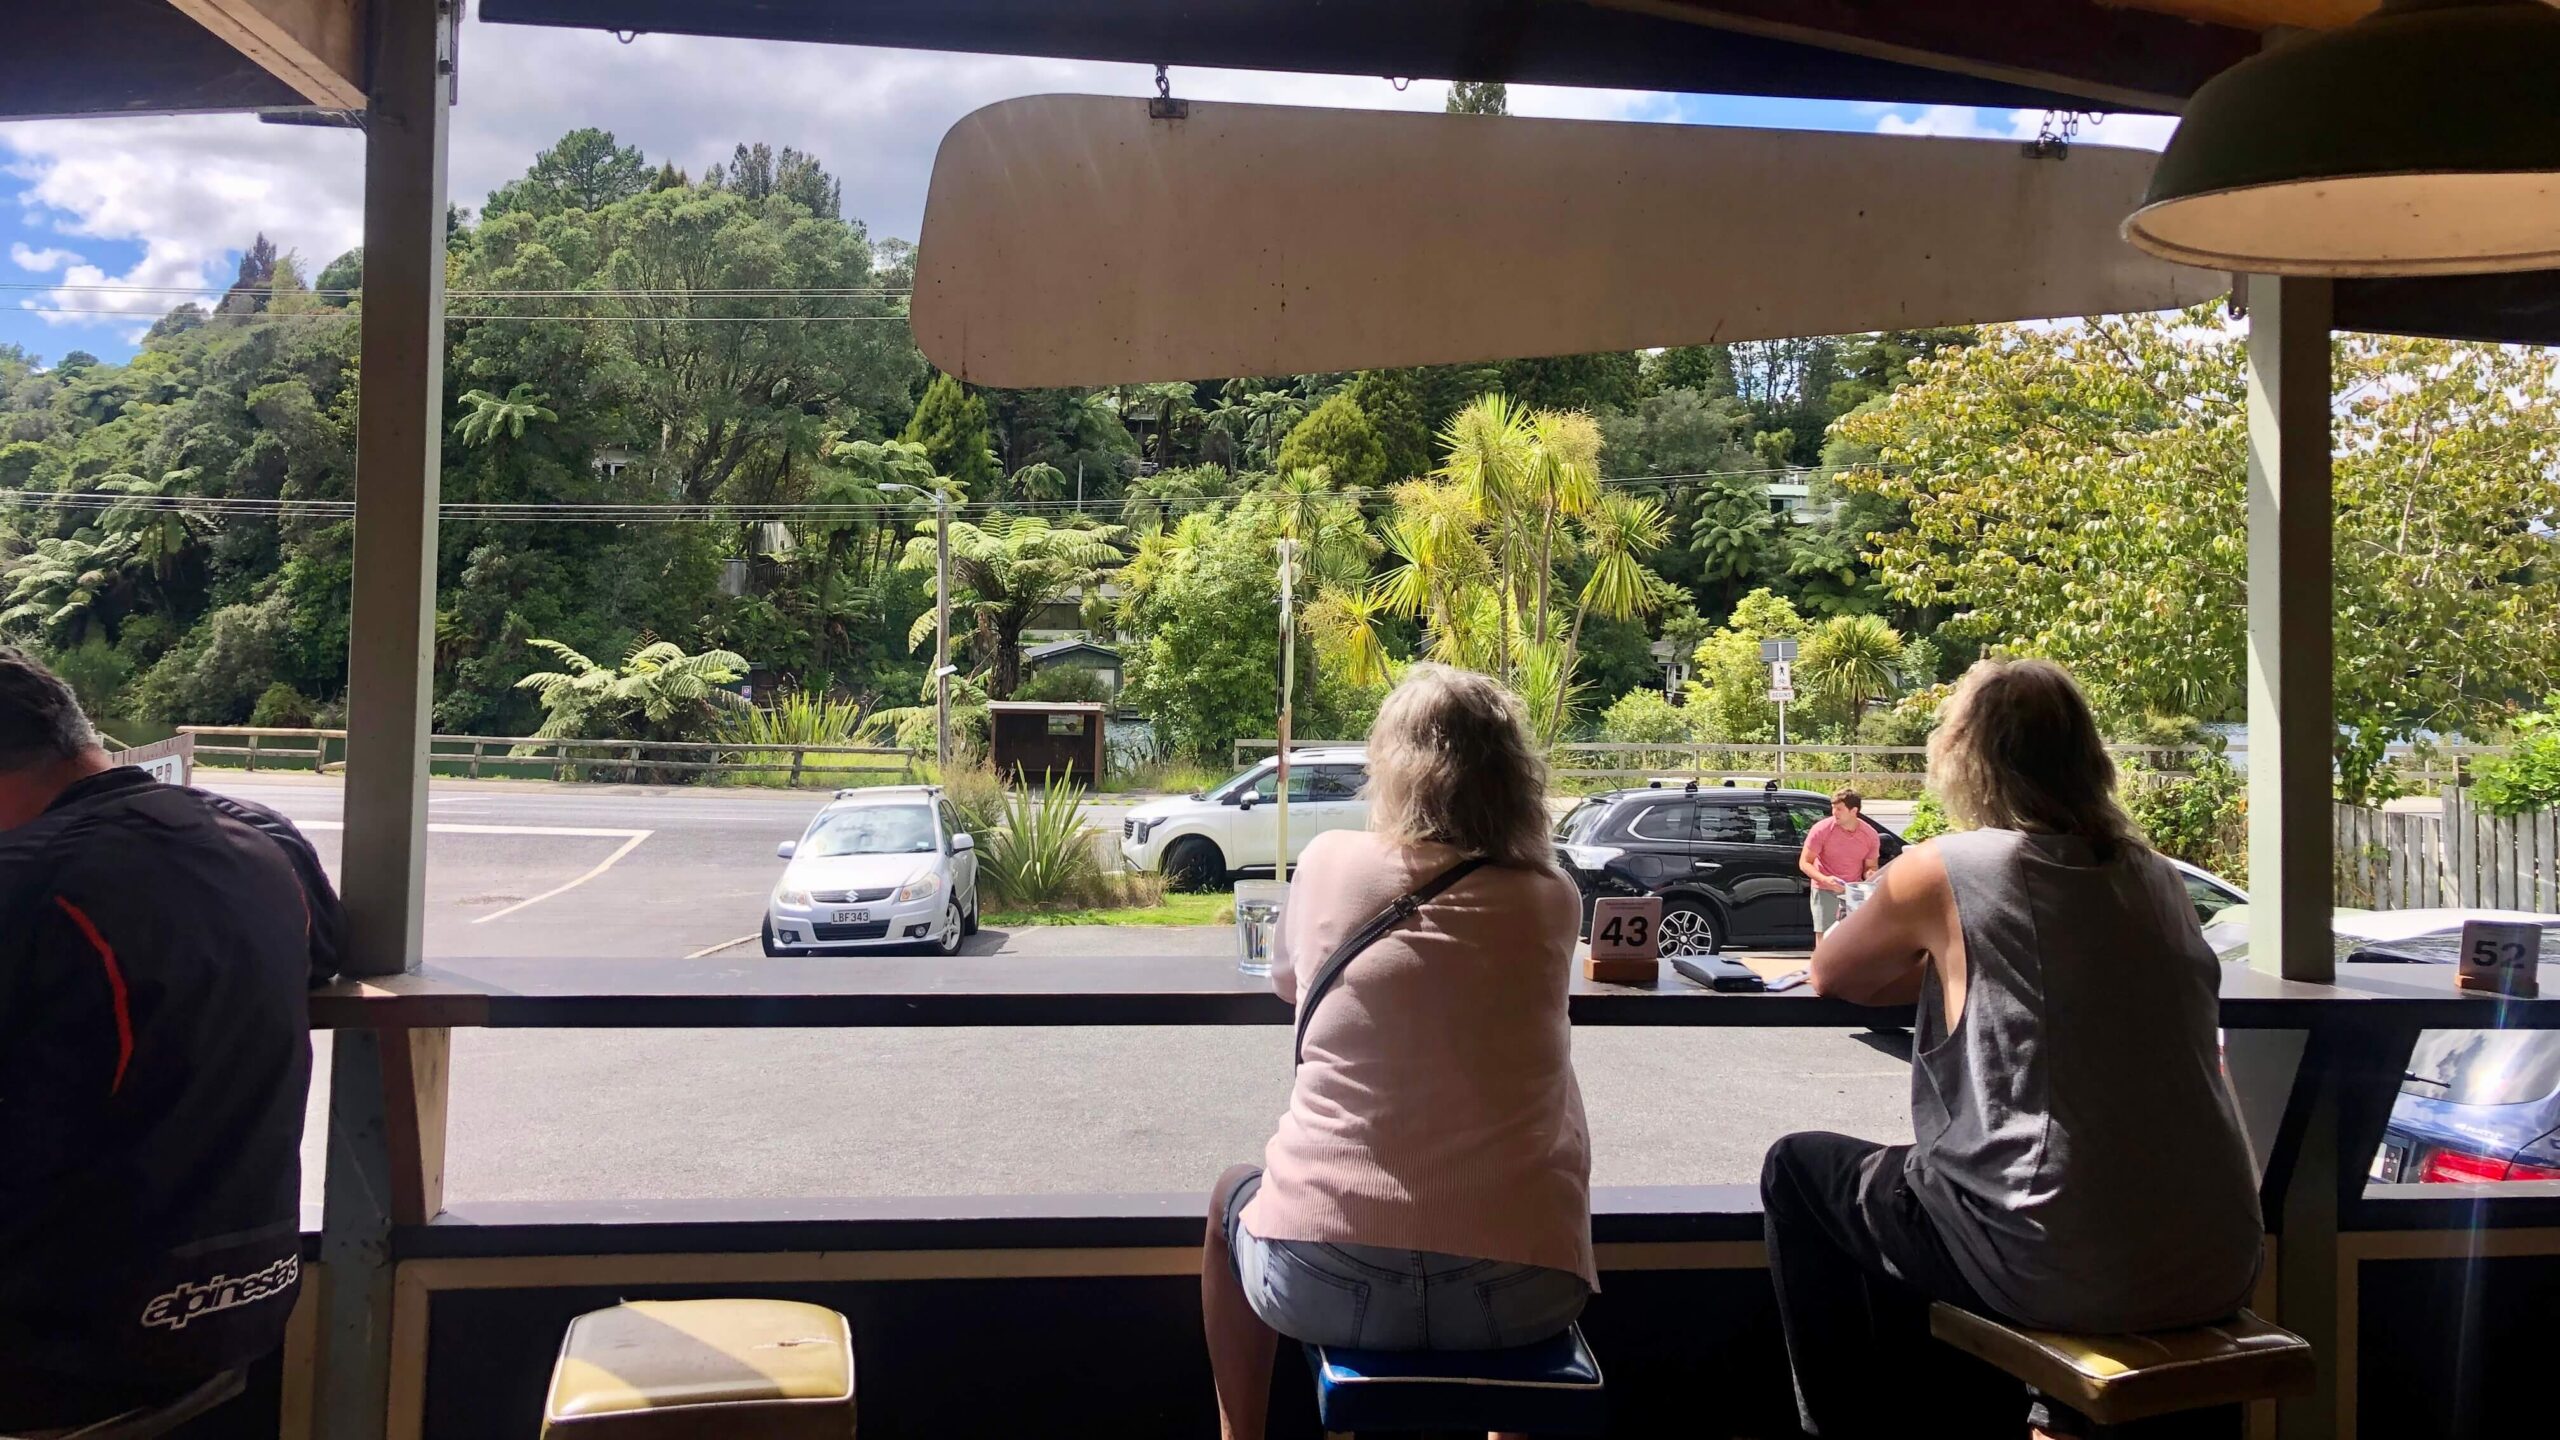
x=1238, y=782
x=2484, y=1067
x=1579, y=819
x=873, y=830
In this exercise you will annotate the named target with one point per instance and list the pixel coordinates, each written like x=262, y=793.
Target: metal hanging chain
x=1164, y=106
x=2055, y=134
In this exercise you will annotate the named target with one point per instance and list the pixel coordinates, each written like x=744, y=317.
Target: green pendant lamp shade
x=2422, y=140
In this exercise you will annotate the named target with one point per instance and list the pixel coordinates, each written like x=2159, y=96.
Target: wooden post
x=799, y=759
x=476, y=748
x=253, y=752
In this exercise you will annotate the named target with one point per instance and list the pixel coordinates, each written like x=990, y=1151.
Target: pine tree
x=1479, y=97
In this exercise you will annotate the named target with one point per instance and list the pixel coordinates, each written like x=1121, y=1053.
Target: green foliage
x=96, y=672
x=1337, y=440
x=1479, y=97
x=1003, y=571
x=1642, y=717
x=1041, y=851
x=1929, y=819
x=1852, y=661
x=1201, y=600
x=951, y=425
x=491, y=416
x=1065, y=683
x=1393, y=403
x=283, y=707
x=1729, y=696
x=2526, y=779
x=216, y=674
x=2202, y=818
x=2078, y=492
x=659, y=693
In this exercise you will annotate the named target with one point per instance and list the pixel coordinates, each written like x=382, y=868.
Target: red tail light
x=2455, y=1167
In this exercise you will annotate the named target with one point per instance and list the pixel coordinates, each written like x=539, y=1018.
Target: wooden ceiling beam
x=2117, y=58
x=315, y=46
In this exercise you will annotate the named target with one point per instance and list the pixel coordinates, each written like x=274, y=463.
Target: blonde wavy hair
x=2017, y=748
x=1450, y=760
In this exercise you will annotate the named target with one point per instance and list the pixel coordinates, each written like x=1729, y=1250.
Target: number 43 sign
x=2499, y=958
x=1625, y=945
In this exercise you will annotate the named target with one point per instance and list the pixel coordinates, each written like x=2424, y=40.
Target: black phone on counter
x=1717, y=973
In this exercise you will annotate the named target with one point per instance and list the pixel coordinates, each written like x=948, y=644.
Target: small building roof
x=1048, y=707
x=1056, y=648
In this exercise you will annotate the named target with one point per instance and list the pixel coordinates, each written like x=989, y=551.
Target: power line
x=724, y=512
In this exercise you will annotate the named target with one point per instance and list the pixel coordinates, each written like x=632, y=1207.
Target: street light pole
x=941, y=618
x=942, y=635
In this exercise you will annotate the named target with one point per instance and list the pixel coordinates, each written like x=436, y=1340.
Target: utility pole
x=1288, y=688
x=941, y=618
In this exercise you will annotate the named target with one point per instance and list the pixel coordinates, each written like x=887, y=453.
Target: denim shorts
x=1368, y=1297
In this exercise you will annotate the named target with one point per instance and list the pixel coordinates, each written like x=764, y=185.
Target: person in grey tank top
x=2077, y=1163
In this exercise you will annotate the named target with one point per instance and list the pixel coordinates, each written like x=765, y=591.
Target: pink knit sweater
x=1437, y=1107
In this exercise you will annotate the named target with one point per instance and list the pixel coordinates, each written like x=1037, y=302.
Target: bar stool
x=2090, y=1382
x=153, y=1421
x=1551, y=1388
x=681, y=1369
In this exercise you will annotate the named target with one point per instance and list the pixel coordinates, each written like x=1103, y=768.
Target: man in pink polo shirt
x=1838, y=851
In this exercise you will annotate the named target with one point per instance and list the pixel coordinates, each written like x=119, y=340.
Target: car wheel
x=1193, y=864
x=948, y=942
x=969, y=922
x=1689, y=928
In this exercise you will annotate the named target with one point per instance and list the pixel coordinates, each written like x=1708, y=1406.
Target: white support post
x=2291, y=719
x=399, y=444
x=399, y=435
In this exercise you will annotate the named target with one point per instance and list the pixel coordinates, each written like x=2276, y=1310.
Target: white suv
x=1205, y=839
x=889, y=867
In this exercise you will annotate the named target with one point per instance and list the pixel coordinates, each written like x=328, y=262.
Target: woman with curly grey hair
x=2078, y=1163
x=1430, y=1186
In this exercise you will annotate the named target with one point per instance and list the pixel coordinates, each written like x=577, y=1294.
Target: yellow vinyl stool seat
x=680, y=1369
x=2114, y=1379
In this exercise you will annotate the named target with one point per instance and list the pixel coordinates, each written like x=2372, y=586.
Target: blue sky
x=162, y=204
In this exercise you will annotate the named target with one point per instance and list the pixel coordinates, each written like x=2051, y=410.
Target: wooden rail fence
x=472, y=756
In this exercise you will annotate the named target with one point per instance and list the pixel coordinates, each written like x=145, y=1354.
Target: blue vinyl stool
x=1550, y=1388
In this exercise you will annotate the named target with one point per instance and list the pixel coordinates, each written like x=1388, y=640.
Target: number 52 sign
x=1625, y=942
x=2498, y=957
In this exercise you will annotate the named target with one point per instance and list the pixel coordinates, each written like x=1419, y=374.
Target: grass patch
x=1211, y=909
x=1165, y=777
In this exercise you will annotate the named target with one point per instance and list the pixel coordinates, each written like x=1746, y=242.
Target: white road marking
x=711, y=950
x=608, y=862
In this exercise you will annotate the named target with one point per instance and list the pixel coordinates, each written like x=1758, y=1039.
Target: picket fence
x=2467, y=857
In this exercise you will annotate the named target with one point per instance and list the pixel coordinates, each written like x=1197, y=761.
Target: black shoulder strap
x=1396, y=913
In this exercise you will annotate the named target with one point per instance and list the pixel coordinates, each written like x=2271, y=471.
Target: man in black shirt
x=156, y=945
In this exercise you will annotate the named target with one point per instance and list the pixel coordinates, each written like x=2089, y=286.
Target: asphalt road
x=596, y=873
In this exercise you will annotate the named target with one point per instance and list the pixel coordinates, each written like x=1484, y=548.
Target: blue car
x=2476, y=1106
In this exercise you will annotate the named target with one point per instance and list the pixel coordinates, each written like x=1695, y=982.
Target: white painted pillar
x=399, y=437
x=2291, y=719
x=399, y=440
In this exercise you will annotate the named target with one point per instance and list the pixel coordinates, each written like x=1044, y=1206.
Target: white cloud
x=2141, y=132
x=187, y=191
x=42, y=262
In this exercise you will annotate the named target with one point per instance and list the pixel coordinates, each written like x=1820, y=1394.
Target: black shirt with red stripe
x=156, y=947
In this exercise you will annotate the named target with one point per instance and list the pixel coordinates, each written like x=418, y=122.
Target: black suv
x=1722, y=858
